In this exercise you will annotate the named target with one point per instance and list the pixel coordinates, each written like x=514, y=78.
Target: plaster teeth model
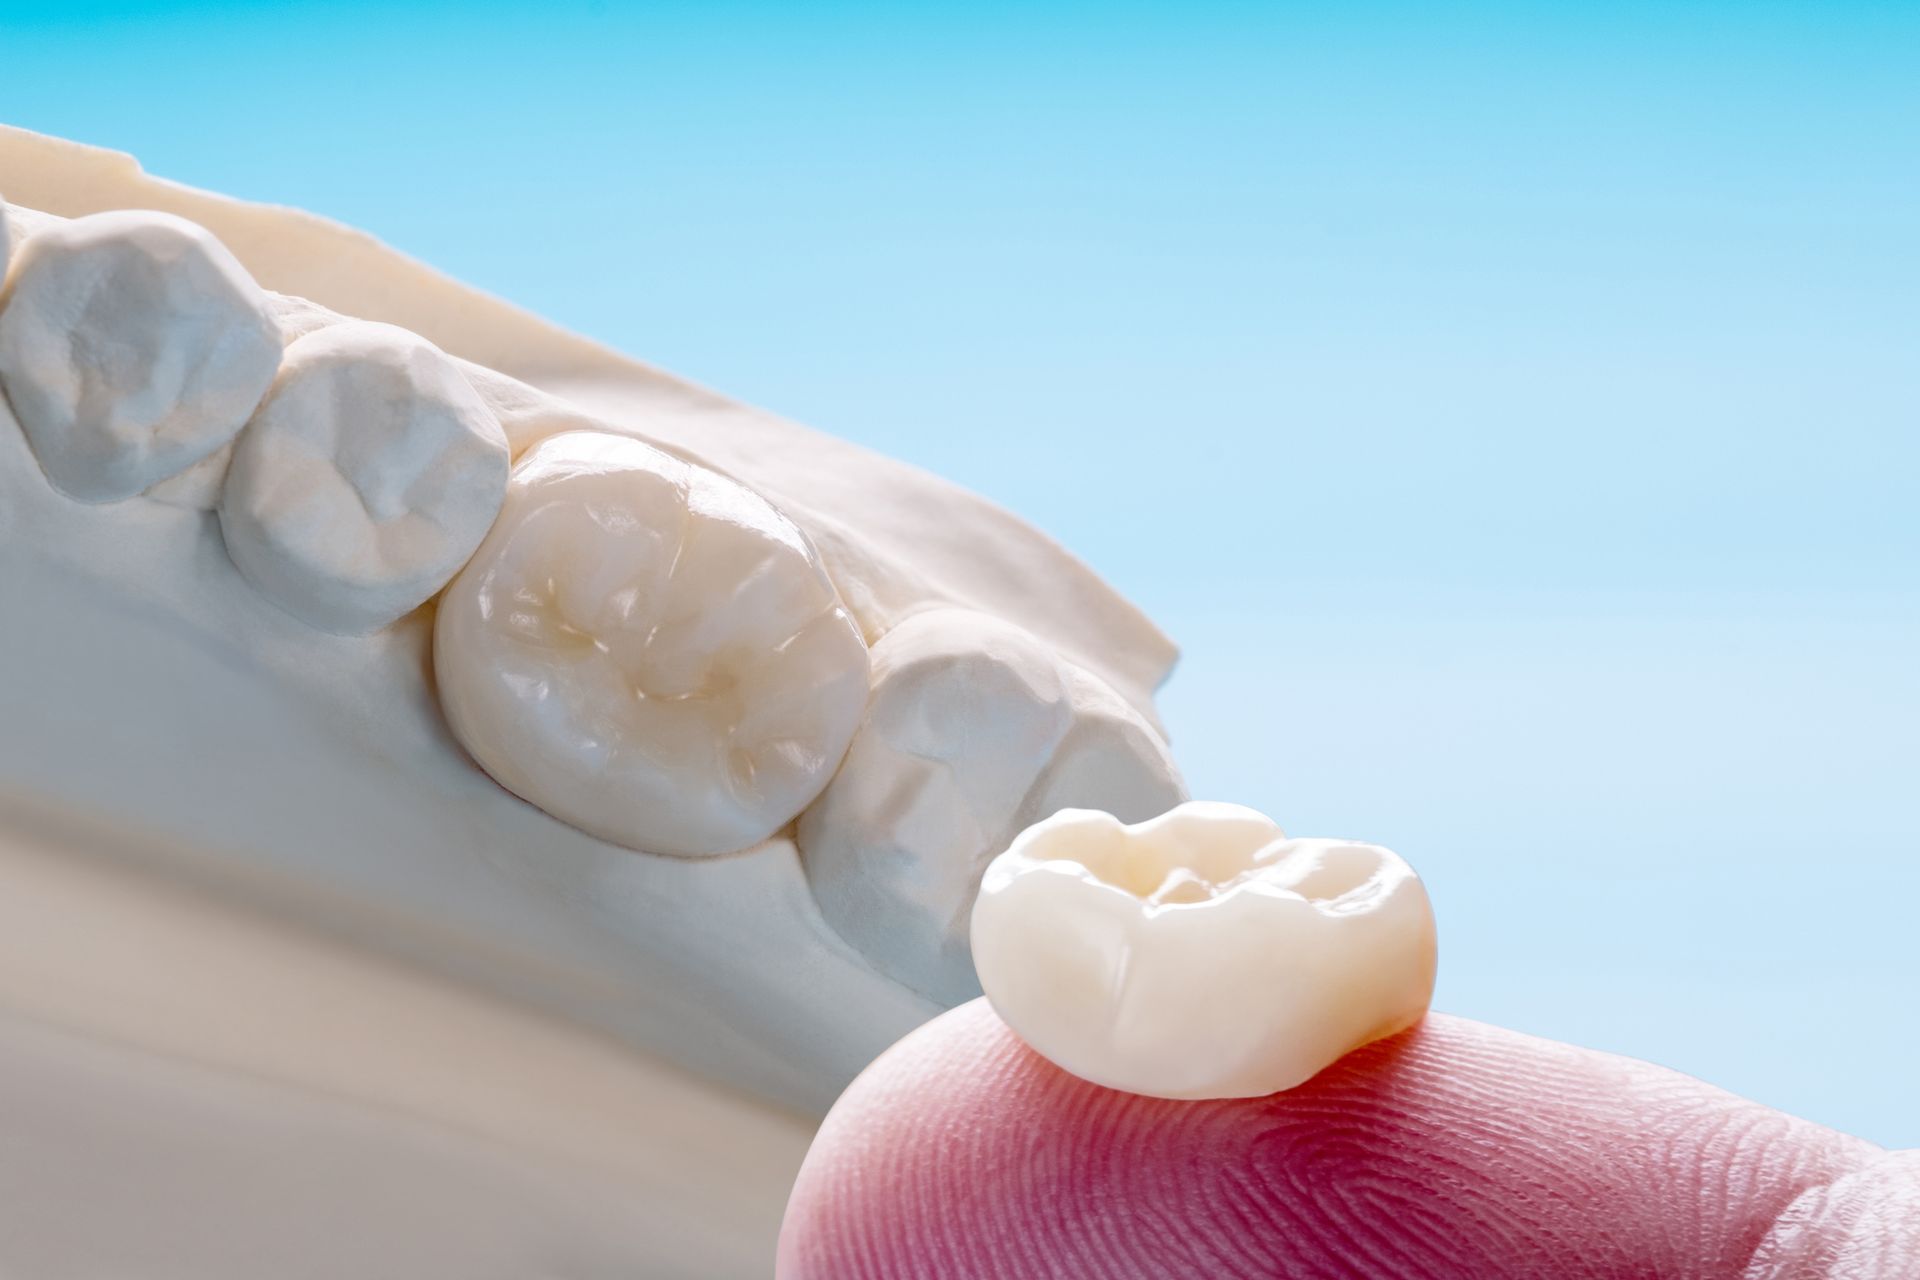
x=185, y=707
x=1201, y=954
x=975, y=730
x=364, y=481
x=649, y=651
x=132, y=345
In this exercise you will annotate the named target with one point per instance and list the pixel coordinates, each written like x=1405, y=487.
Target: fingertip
x=1865, y=1225
x=1452, y=1149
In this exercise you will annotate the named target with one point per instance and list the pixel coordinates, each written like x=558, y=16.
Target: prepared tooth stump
x=1202, y=954
x=975, y=730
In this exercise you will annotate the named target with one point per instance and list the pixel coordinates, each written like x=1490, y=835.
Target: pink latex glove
x=1452, y=1150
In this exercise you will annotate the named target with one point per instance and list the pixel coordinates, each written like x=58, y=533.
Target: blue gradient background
x=1513, y=411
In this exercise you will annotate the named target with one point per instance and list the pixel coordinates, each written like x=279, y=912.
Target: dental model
x=642, y=646
x=649, y=651
x=510, y=669
x=1202, y=954
x=895, y=848
x=132, y=345
x=365, y=481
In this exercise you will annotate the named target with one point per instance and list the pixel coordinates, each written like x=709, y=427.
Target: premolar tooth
x=1201, y=954
x=976, y=729
x=365, y=480
x=649, y=651
x=132, y=345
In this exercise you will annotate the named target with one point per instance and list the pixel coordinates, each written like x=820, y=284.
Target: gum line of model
x=636, y=643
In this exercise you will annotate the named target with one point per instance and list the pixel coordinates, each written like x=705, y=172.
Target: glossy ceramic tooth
x=649, y=651
x=132, y=345
x=1201, y=954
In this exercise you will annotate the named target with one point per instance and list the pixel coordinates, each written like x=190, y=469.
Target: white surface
x=1201, y=954
x=649, y=651
x=364, y=481
x=132, y=345
x=191, y=1090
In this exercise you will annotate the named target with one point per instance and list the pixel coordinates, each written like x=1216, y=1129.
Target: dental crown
x=1203, y=953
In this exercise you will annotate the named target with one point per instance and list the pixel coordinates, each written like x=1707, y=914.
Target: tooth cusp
x=365, y=480
x=1202, y=954
x=132, y=345
x=648, y=651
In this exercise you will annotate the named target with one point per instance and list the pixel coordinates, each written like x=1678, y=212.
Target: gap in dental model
x=1200, y=954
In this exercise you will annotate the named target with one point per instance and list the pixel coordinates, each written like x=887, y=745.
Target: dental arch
x=373, y=416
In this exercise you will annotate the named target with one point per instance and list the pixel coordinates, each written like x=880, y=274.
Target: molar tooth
x=132, y=345
x=649, y=651
x=1201, y=954
x=365, y=480
x=976, y=728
